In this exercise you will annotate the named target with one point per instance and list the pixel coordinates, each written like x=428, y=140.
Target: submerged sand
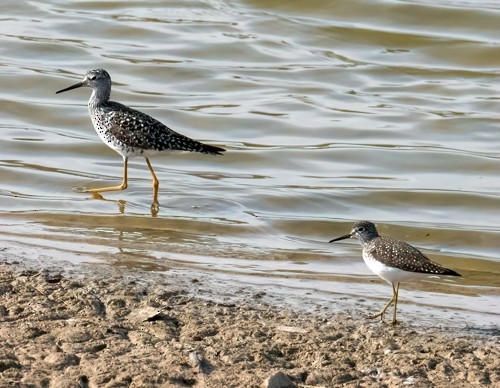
x=120, y=328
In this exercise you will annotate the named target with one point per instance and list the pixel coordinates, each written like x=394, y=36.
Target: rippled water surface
x=331, y=111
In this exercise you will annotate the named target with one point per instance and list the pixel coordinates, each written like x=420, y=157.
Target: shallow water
x=331, y=112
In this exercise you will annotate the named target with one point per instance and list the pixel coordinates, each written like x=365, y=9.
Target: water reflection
x=120, y=202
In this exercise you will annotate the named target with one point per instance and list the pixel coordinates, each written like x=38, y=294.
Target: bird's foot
x=374, y=316
x=79, y=189
x=155, y=208
x=102, y=189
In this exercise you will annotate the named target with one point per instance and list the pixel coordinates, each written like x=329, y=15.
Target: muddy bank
x=114, y=328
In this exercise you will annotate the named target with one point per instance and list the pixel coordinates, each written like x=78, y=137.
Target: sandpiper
x=130, y=132
x=393, y=260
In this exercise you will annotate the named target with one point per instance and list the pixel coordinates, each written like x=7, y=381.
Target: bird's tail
x=176, y=141
x=450, y=272
x=210, y=149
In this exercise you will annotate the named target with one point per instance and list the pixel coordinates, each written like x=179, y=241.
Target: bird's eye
x=92, y=77
x=361, y=229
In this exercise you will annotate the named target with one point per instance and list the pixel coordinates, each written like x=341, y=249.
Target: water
x=331, y=111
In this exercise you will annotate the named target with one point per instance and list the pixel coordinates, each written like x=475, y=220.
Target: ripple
x=331, y=112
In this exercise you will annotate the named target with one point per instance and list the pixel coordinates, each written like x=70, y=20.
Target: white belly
x=390, y=274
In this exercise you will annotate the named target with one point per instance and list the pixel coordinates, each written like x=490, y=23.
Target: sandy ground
x=131, y=328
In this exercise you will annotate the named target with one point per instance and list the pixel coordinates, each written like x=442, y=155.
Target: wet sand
x=114, y=327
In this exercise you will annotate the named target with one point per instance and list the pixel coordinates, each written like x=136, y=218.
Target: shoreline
x=116, y=327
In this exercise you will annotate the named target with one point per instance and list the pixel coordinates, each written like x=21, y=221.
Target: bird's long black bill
x=78, y=85
x=340, y=238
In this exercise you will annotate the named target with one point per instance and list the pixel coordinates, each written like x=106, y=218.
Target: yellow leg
x=395, y=291
x=394, y=299
x=156, y=183
x=123, y=186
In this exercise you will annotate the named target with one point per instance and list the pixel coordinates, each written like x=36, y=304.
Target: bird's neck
x=99, y=97
x=368, y=239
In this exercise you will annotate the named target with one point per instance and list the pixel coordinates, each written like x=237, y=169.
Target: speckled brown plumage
x=135, y=132
x=398, y=254
x=394, y=253
x=130, y=132
x=393, y=260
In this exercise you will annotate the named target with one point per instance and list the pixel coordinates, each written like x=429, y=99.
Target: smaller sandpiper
x=130, y=132
x=393, y=260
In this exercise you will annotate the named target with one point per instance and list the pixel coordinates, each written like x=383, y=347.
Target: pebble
x=278, y=380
